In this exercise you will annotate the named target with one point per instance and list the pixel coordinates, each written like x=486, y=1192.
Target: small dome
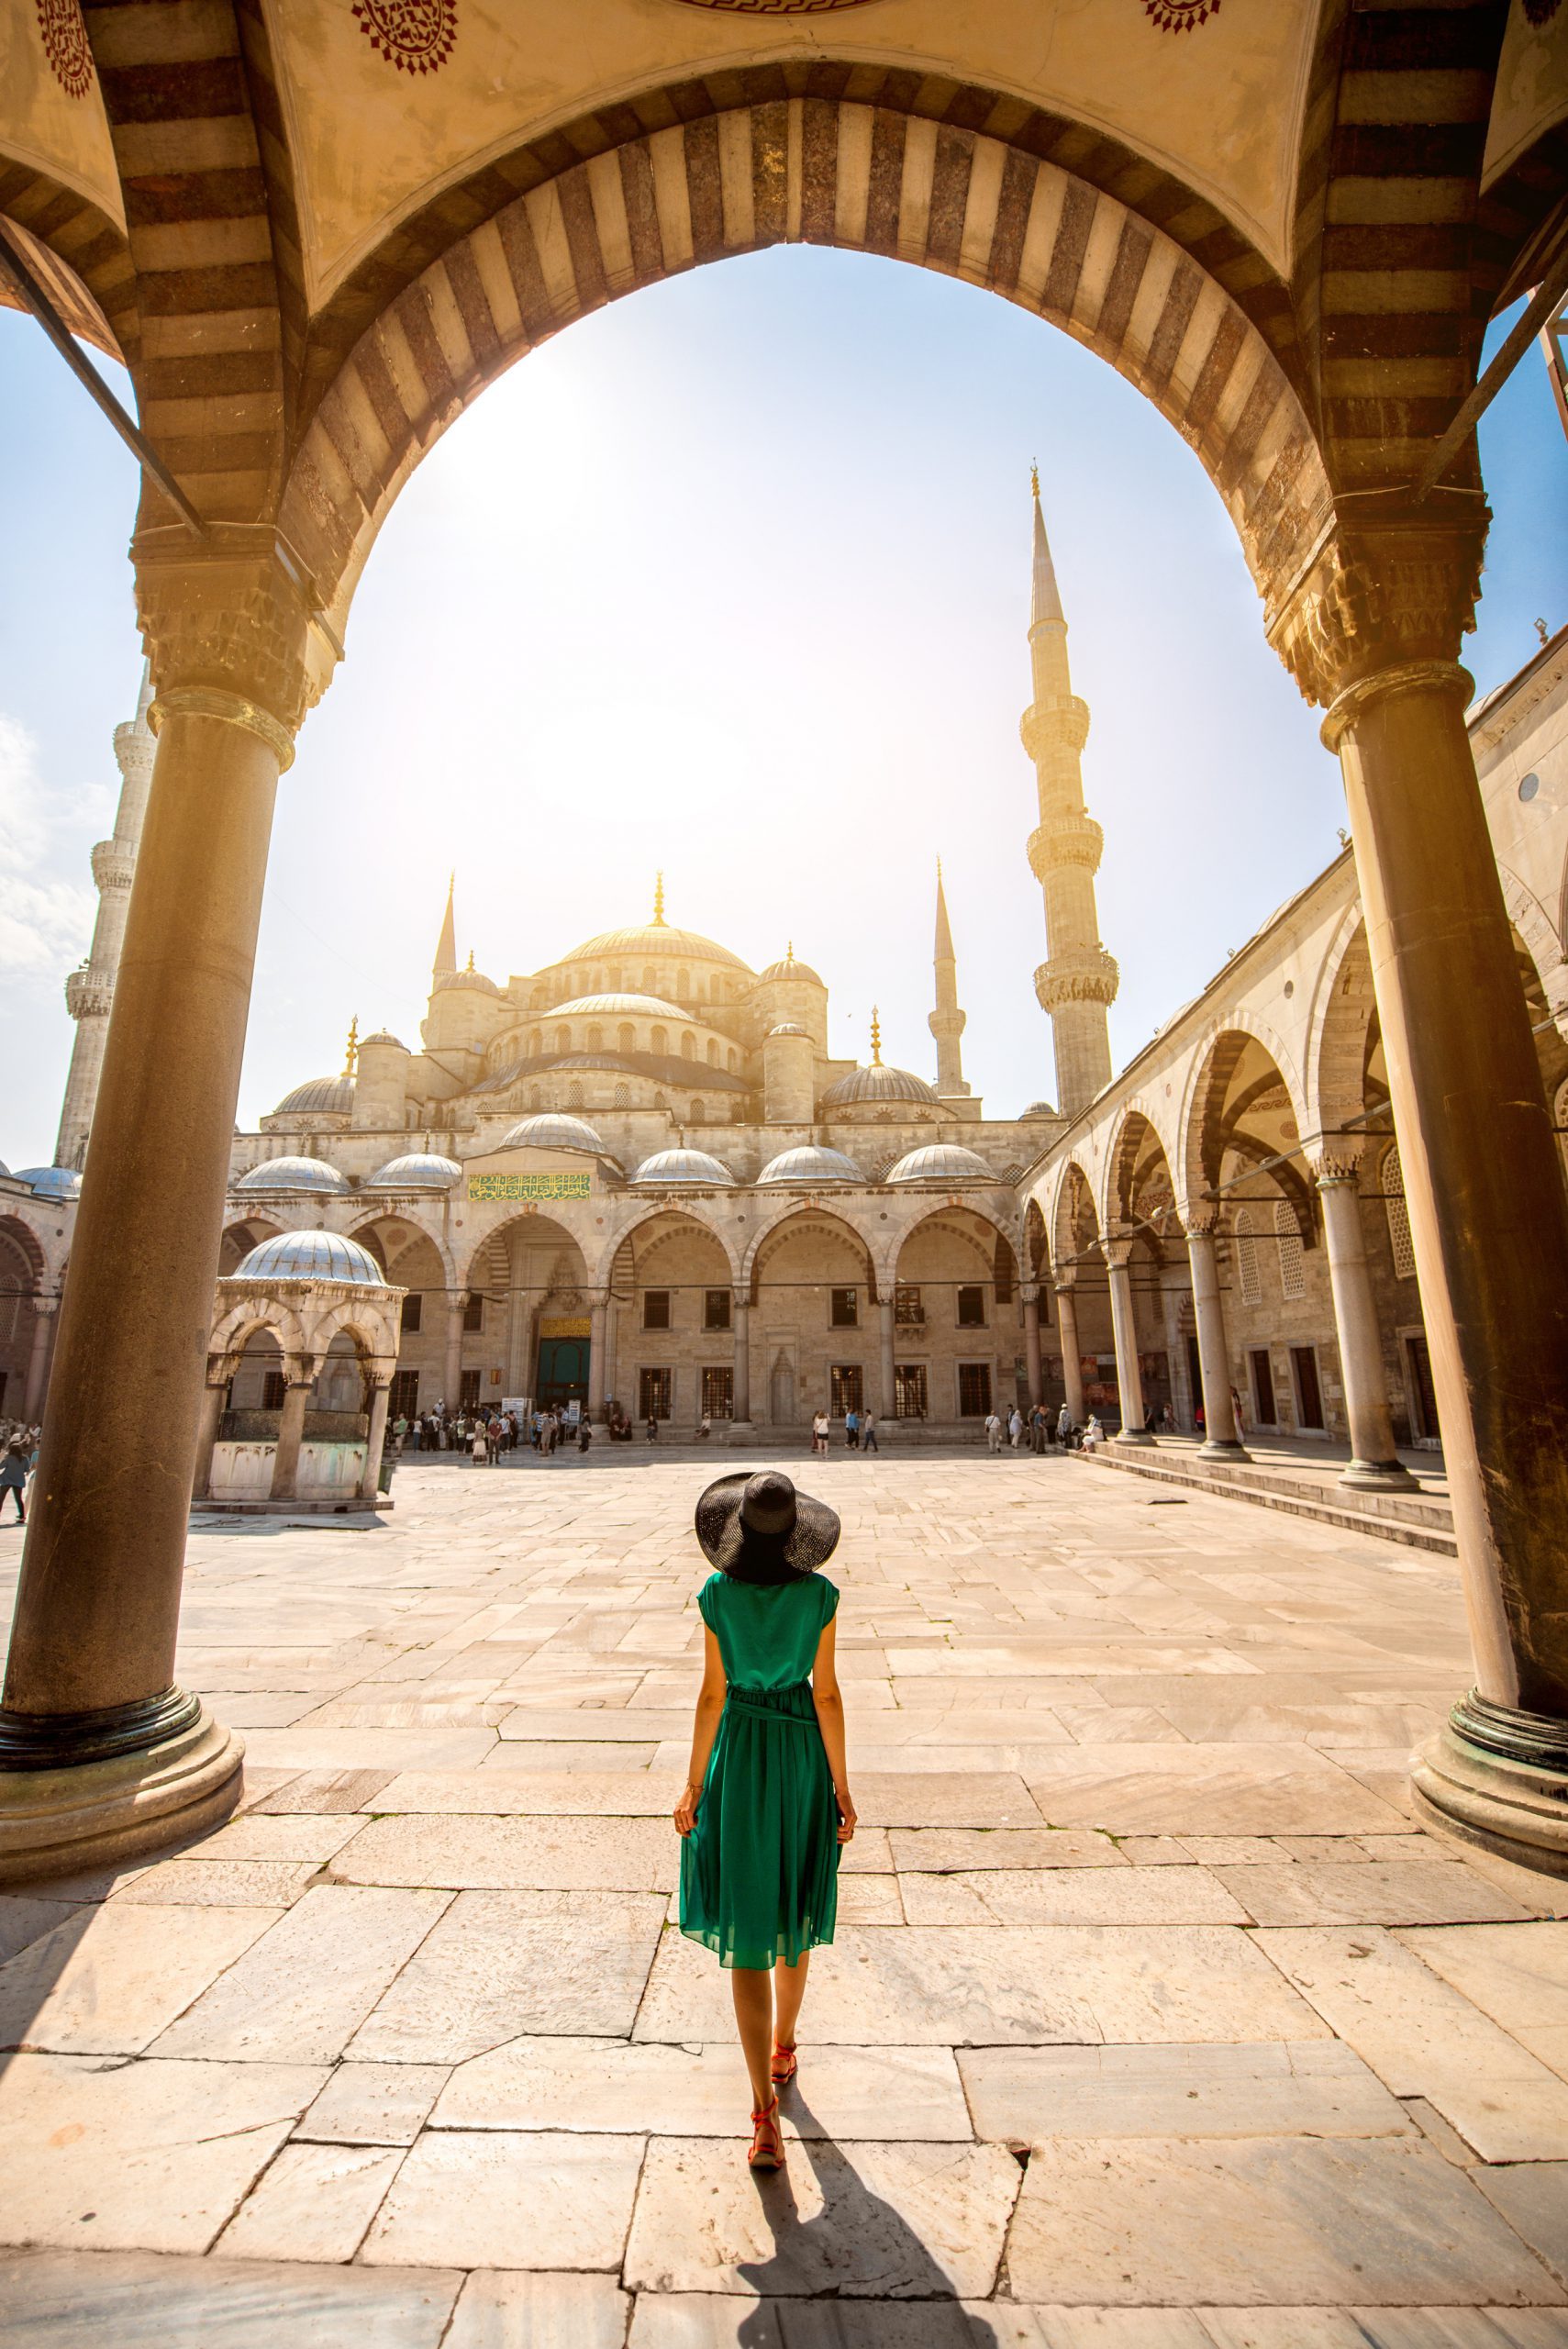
x=422, y=1170
x=310, y=1256
x=51, y=1182
x=789, y=969
x=641, y=1007
x=5, y=1170
x=942, y=1162
x=475, y=980
x=292, y=1175
x=386, y=1036
x=691, y=1168
x=787, y=1028
x=549, y=1132
x=331, y=1096
x=807, y=1167
x=1040, y=1109
x=654, y=939
x=878, y=1083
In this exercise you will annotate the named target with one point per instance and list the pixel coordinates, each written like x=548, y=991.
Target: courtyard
x=1153, y=2018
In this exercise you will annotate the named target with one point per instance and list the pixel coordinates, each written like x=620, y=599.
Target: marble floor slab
x=502, y=2200
x=113, y=1978
x=1515, y=1974
x=1314, y=2088
x=63, y=2299
x=483, y=1854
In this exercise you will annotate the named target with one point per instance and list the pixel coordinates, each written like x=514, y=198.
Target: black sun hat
x=759, y=1529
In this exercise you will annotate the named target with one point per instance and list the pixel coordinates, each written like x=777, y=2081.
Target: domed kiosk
x=300, y=1365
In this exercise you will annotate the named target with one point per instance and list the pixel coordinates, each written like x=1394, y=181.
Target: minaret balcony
x=1061, y=723
x=943, y=1024
x=113, y=866
x=1081, y=974
x=88, y=994
x=1061, y=840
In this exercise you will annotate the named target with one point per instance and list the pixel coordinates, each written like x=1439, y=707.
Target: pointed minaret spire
x=947, y=1023
x=1077, y=982
x=446, y=945
x=659, y=921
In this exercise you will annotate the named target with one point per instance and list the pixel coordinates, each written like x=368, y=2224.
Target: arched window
x=682, y=986
x=657, y=1041
x=623, y=1097
x=688, y=1046
x=563, y=1040
x=1292, y=1270
x=1247, y=1279
x=625, y=1037
x=536, y=1042
x=712, y=1052
x=596, y=1040
x=574, y=1097
x=1398, y=1214
x=733, y=1060
x=699, y=1113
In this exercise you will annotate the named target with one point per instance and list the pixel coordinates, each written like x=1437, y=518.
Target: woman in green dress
x=766, y=1804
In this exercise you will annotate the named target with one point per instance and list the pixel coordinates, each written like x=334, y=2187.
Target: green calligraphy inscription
x=530, y=1187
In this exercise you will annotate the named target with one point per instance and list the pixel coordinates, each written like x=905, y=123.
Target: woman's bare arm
x=828, y=1698
x=704, y=1729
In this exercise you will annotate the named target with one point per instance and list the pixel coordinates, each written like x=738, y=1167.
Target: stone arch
x=983, y=204
x=365, y=1228
x=1138, y=1149
x=1233, y=1083
x=1343, y=1011
x=1540, y=938
x=796, y=1210
x=688, y=1211
x=1003, y=1229
x=1037, y=1245
x=540, y=1230
x=1204, y=1102
x=367, y=1326
x=1074, y=1221
x=250, y=1317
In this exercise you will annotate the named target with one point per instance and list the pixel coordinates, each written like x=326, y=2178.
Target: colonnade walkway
x=1153, y=2022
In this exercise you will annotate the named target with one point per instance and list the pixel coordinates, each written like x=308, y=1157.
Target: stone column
x=127, y=1759
x=213, y=1398
x=886, y=1340
x=291, y=1435
x=1071, y=1352
x=1221, y=1436
x=598, y=1315
x=1371, y=630
x=1030, y=1292
x=381, y=1395
x=740, y=1401
x=1374, y=1463
x=1124, y=1332
x=457, y=1306
x=38, y=1359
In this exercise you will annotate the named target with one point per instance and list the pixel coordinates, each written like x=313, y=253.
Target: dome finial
x=469, y=964
x=876, y=1037
x=353, y=1051
x=1034, y=478
x=659, y=921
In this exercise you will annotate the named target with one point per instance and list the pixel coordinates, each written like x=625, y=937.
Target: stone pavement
x=1153, y=2022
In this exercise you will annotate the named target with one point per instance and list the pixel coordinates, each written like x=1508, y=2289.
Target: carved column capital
x=1384, y=590
x=1336, y=1161
x=1117, y=1248
x=233, y=623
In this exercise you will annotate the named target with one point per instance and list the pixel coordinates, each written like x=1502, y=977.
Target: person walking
x=14, y=1466
x=766, y=1809
x=868, y=1433
x=585, y=1432
x=1016, y=1427
x=993, y=1432
x=1063, y=1427
x=477, y=1446
x=853, y=1429
x=1039, y=1430
x=819, y=1434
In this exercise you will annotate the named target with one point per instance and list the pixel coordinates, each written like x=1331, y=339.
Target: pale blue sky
x=732, y=579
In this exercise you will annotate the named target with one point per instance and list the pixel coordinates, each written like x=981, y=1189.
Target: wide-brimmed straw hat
x=759, y=1529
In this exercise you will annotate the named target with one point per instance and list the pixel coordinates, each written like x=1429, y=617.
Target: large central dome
x=656, y=938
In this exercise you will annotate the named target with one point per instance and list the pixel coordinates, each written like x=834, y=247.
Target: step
x=1422, y=1523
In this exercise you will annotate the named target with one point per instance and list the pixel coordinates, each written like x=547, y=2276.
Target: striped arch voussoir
x=870, y=178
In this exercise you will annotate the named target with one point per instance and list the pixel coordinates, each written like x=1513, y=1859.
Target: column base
x=1212, y=1449
x=67, y=1817
x=740, y=1432
x=1129, y=1437
x=1379, y=1476
x=1497, y=1777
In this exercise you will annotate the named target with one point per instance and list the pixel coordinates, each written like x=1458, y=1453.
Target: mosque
x=640, y=1176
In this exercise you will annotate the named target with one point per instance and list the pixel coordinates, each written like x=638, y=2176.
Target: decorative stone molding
x=1075, y=841
x=1061, y=724
x=114, y=865
x=1379, y=595
x=234, y=621
x=88, y=994
x=1116, y=1249
x=1085, y=974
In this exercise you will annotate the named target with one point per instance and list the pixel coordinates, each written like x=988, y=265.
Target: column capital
x=1385, y=592
x=42, y=1304
x=233, y=623
x=1116, y=1247
x=1029, y=1292
x=1201, y=1223
x=1064, y=1282
x=1337, y=1165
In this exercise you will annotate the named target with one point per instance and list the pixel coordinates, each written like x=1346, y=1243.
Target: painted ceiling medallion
x=1180, y=16
x=65, y=44
x=415, y=36
x=775, y=8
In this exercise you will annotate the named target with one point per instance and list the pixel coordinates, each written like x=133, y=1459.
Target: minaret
x=1078, y=980
x=90, y=991
x=445, y=964
x=947, y=1023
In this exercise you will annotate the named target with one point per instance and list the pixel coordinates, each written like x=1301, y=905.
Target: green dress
x=759, y=1870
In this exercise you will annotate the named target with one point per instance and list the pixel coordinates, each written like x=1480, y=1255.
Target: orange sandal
x=767, y=2141
x=786, y=2063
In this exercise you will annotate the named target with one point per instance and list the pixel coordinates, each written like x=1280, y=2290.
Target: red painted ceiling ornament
x=416, y=36
x=65, y=44
x=1180, y=16
x=775, y=8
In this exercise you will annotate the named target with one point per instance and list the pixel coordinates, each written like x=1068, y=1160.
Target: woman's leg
x=789, y=1989
x=752, y=1991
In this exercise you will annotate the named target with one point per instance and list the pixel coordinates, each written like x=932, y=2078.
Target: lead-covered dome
x=1039, y=1109
x=787, y=1028
x=789, y=969
x=656, y=938
x=809, y=1166
x=942, y=1162
x=421, y=1170
x=694, y=1169
x=50, y=1182
x=311, y=1175
x=635, y=1006
x=876, y=1086
x=310, y=1256
x=322, y=1097
x=552, y=1132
